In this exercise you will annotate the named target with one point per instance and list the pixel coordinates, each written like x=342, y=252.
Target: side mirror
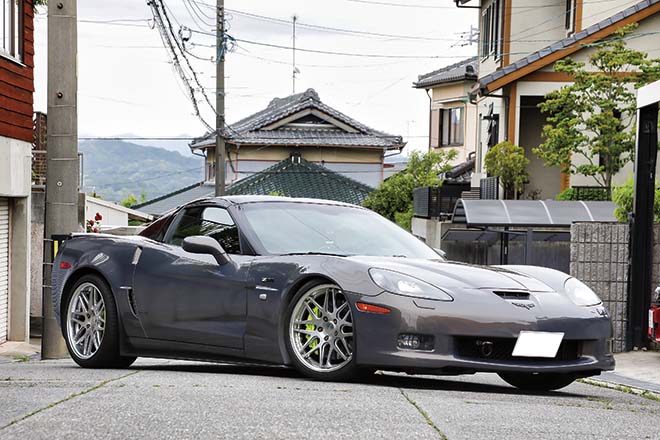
x=440, y=252
x=200, y=244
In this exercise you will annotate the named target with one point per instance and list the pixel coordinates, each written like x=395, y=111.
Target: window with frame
x=12, y=28
x=210, y=221
x=491, y=30
x=571, y=7
x=451, y=126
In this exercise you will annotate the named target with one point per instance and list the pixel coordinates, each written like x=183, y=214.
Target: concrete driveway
x=175, y=399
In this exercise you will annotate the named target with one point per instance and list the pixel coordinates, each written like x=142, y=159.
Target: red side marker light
x=65, y=265
x=370, y=308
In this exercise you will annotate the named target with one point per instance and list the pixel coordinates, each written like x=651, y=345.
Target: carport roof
x=530, y=213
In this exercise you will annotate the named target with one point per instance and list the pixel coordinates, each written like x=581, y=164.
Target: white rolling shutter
x=4, y=268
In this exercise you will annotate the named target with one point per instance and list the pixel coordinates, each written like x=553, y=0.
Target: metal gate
x=4, y=268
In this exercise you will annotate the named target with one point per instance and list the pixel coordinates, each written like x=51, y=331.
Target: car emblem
x=527, y=306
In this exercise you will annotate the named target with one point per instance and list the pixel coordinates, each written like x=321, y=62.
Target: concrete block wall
x=599, y=257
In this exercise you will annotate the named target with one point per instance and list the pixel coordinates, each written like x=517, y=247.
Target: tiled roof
x=569, y=42
x=296, y=177
x=167, y=202
x=250, y=130
x=461, y=173
x=461, y=71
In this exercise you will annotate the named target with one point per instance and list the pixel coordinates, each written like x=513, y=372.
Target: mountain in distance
x=115, y=169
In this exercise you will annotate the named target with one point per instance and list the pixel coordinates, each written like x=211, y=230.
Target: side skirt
x=158, y=348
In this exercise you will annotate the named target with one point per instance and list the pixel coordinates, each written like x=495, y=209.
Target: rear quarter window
x=156, y=230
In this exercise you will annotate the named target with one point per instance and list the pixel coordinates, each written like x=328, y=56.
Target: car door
x=190, y=298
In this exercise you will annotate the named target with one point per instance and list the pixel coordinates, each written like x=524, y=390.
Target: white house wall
x=111, y=217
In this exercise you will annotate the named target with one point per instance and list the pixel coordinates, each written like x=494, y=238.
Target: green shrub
x=623, y=196
x=508, y=162
x=586, y=194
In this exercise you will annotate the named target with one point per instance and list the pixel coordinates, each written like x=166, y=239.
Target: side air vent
x=131, y=299
x=512, y=294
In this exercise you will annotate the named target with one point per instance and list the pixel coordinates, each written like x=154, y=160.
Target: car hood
x=450, y=275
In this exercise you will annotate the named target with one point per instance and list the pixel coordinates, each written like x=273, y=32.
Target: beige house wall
x=594, y=12
x=534, y=23
x=452, y=95
x=276, y=154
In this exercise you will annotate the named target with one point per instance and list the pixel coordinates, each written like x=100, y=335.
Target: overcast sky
x=127, y=84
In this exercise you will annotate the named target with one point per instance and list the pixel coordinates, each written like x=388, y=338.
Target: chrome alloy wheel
x=86, y=320
x=321, y=329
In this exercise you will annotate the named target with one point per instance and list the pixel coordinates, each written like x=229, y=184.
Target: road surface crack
x=66, y=399
x=424, y=414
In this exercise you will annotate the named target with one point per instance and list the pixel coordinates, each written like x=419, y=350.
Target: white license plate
x=537, y=344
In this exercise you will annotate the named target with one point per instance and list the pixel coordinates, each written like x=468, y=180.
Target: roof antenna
x=295, y=70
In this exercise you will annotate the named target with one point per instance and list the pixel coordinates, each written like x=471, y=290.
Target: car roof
x=244, y=199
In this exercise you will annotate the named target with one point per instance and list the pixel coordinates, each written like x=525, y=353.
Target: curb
x=613, y=381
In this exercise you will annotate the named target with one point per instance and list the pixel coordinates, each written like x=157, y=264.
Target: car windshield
x=301, y=228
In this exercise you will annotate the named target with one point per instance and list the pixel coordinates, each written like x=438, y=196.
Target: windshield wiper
x=316, y=253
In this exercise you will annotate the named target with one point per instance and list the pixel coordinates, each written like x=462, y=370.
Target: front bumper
x=585, y=351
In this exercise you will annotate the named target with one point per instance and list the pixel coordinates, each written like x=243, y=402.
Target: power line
x=165, y=37
x=401, y=5
x=135, y=138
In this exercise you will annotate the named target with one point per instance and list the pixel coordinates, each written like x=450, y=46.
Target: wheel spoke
x=339, y=352
x=305, y=331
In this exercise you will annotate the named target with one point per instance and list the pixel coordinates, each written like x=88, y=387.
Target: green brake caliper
x=312, y=326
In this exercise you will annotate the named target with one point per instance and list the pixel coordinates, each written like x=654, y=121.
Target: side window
x=210, y=221
x=156, y=230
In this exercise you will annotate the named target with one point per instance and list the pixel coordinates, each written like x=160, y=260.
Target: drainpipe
x=430, y=116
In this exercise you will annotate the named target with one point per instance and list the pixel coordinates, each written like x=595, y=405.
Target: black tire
x=107, y=354
x=538, y=381
x=348, y=372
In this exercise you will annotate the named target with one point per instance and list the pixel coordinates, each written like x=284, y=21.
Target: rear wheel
x=538, y=381
x=90, y=325
x=320, y=337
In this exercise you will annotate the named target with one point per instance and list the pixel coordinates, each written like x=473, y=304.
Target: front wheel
x=320, y=338
x=90, y=325
x=538, y=381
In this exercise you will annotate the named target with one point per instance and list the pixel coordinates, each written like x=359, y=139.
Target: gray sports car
x=332, y=289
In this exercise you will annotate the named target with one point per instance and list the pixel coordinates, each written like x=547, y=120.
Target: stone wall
x=599, y=258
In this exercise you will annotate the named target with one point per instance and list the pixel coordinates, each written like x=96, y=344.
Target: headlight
x=580, y=294
x=400, y=284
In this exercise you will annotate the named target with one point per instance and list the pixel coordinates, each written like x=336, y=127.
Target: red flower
x=98, y=217
x=95, y=230
x=90, y=222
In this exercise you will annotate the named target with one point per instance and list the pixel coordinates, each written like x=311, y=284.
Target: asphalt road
x=177, y=400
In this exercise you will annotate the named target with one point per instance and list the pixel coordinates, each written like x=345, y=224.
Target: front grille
x=512, y=294
x=502, y=349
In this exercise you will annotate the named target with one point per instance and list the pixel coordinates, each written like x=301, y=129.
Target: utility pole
x=62, y=155
x=220, y=148
x=294, y=70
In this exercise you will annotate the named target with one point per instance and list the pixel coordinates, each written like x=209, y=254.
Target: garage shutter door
x=4, y=268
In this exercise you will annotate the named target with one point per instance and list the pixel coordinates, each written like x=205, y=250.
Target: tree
x=129, y=201
x=589, y=122
x=393, y=198
x=508, y=162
